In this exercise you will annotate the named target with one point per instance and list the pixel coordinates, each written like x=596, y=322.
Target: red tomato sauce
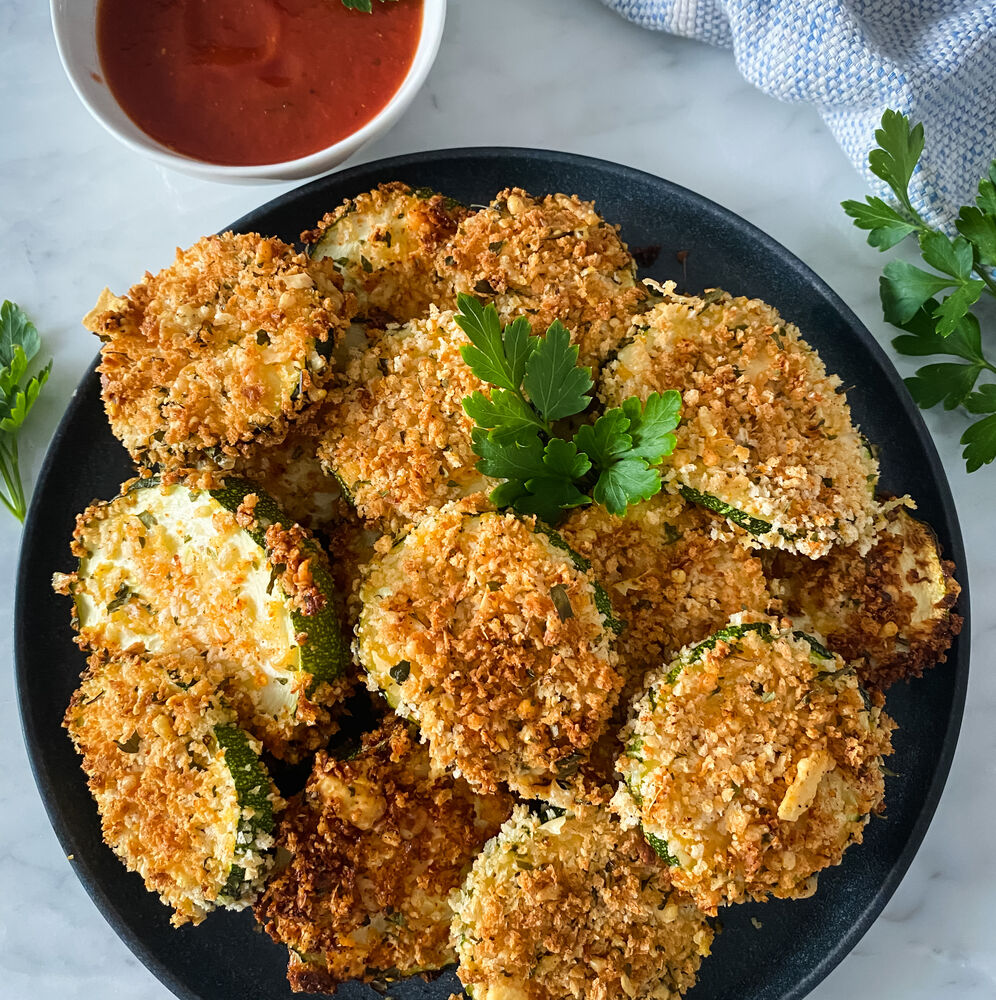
x=243, y=82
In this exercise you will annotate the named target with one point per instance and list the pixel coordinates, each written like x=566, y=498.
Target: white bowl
x=74, y=22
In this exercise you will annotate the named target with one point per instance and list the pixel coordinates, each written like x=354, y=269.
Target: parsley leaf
x=536, y=382
x=19, y=343
x=911, y=295
x=366, y=6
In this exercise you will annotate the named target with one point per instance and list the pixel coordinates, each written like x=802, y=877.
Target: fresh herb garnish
x=366, y=6
x=537, y=382
x=911, y=296
x=19, y=343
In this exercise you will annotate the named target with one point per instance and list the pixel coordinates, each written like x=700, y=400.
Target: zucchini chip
x=890, y=611
x=377, y=843
x=170, y=566
x=396, y=436
x=546, y=259
x=226, y=347
x=384, y=244
x=766, y=438
x=572, y=906
x=491, y=636
x=752, y=762
x=184, y=799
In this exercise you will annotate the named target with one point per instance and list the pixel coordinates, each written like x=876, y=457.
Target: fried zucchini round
x=377, y=843
x=396, y=435
x=207, y=564
x=766, y=437
x=384, y=244
x=184, y=799
x=546, y=259
x=226, y=347
x=488, y=634
x=889, y=611
x=752, y=762
x=574, y=907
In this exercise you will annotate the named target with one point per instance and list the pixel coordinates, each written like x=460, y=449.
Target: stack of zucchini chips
x=581, y=740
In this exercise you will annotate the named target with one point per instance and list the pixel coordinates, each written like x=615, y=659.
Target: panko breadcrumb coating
x=889, y=612
x=574, y=907
x=546, y=259
x=377, y=842
x=396, y=435
x=173, y=565
x=384, y=244
x=488, y=634
x=752, y=763
x=672, y=582
x=764, y=429
x=160, y=749
x=225, y=347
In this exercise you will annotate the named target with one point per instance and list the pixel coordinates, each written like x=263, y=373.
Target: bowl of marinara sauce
x=247, y=90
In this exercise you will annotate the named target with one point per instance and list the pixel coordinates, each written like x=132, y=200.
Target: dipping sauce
x=246, y=82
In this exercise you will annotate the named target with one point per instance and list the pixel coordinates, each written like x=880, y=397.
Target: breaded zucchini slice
x=489, y=634
x=766, y=438
x=384, y=244
x=752, y=762
x=576, y=907
x=396, y=434
x=225, y=347
x=668, y=578
x=377, y=843
x=548, y=258
x=184, y=799
x=209, y=566
x=890, y=611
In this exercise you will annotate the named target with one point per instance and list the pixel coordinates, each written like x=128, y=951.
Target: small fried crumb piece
x=546, y=259
x=889, y=611
x=377, y=843
x=225, y=347
x=753, y=761
x=384, y=244
x=574, y=907
x=396, y=434
x=766, y=436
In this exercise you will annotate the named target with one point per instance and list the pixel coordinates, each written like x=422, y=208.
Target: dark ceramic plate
x=227, y=958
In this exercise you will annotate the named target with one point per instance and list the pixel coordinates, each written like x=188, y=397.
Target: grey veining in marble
x=78, y=211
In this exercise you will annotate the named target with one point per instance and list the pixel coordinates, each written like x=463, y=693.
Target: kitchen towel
x=934, y=60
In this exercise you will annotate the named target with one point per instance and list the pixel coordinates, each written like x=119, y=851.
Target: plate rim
x=47, y=784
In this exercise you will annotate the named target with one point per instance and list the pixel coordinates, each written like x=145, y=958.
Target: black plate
x=226, y=958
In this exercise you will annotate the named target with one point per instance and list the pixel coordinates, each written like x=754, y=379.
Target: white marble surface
x=77, y=211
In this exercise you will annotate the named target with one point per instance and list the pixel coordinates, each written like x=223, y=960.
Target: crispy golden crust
x=462, y=628
x=763, y=427
x=218, y=350
x=167, y=805
x=671, y=582
x=384, y=244
x=396, y=433
x=756, y=760
x=889, y=612
x=574, y=907
x=547, y=259
x=377, y=844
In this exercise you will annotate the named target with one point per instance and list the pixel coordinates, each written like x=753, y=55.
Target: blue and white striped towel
x=934, y=60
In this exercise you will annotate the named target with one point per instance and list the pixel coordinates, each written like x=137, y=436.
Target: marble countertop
x=78, y=211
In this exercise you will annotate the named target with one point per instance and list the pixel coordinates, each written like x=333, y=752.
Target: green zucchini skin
x=753, y=525
x=325, y=655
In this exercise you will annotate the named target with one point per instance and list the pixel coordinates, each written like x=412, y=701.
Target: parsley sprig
x=538, y=383
x=19, y=343
x=912, y=299
x=366, y=6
